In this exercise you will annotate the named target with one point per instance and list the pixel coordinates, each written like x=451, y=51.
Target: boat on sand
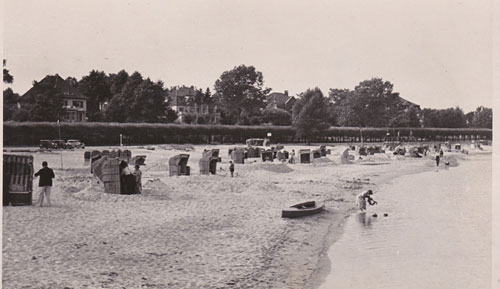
x=302, y=209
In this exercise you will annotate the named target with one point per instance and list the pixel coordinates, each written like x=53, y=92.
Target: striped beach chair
x=18, y=178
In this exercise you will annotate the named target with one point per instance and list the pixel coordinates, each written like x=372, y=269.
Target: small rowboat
x=302, y=209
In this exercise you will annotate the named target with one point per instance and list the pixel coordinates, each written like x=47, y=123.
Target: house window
x=65, y=103
x=78, y=104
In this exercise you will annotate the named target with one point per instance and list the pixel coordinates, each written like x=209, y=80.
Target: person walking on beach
x=231, y=168
x=138, y=179
x=437, y=157
x=45, y=183
x=363, y=198
x=292, y=157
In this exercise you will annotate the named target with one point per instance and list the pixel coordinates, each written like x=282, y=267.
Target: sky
x=437, y=53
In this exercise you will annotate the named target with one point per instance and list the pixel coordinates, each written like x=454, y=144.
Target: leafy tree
x=405, y=118
x=207, y=97
x=21, y=114
x=276, y=116
x=46, y=102
x=430, y=117
x=244, y=118
x=170, y=115
x=202, y=119
x=341, y=108
x=10, y=100
x=148, y=104
x=188, y=119
x=255, y=120
x=444, y=118
x=137, y=100
x=372, y=103
x=240, y=93
x=96, y=87
x=117, y=82
x=483, y=117
x=468, y=118
x=310, y=114
x=119, y=108
x=7, y=77
x=453, y=118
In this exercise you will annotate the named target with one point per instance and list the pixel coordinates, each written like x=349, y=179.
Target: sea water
x=437, y=234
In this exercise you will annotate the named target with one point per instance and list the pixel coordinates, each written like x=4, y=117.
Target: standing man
x=138, y=179
x=437, y=156
x=45, y=183
x=231, y=168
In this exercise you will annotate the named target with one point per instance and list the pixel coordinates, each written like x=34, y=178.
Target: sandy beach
x=193, y=231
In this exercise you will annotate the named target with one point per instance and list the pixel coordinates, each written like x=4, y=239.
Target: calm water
x=437, y=234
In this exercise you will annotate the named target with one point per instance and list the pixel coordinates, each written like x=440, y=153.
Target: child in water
x=364, y=197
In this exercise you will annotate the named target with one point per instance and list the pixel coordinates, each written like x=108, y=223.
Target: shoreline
x=335, y=233
x=190, y=232
x=324, y=267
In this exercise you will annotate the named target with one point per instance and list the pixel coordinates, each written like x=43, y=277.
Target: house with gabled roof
x=180, y=99
x=280, y=100
x=74, y=102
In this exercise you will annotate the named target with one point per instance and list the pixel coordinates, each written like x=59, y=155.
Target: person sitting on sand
x=127, y=180
x=363, y=198
x=138, y=179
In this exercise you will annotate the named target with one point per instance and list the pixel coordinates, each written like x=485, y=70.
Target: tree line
x=240, y=97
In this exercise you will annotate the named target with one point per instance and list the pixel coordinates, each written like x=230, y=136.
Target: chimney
x=286, y=92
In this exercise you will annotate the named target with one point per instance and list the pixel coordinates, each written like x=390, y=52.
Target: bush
x=94, y=133
x=276, y=116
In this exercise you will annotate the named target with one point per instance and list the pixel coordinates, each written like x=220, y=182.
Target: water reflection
x=365, y=219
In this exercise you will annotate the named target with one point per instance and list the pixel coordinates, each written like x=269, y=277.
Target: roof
x=181, y=91
x=178, y=95
x=407, y=103
x=68, y=87
x=279, y=98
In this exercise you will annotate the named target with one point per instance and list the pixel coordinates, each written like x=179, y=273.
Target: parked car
x=58, y=144
x=258, y=142
x=46, y=144
x=74, y=144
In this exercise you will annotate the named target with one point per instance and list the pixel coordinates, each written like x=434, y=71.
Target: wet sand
x=189, y=232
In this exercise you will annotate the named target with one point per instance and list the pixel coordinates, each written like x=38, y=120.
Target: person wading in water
x=363, y=198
